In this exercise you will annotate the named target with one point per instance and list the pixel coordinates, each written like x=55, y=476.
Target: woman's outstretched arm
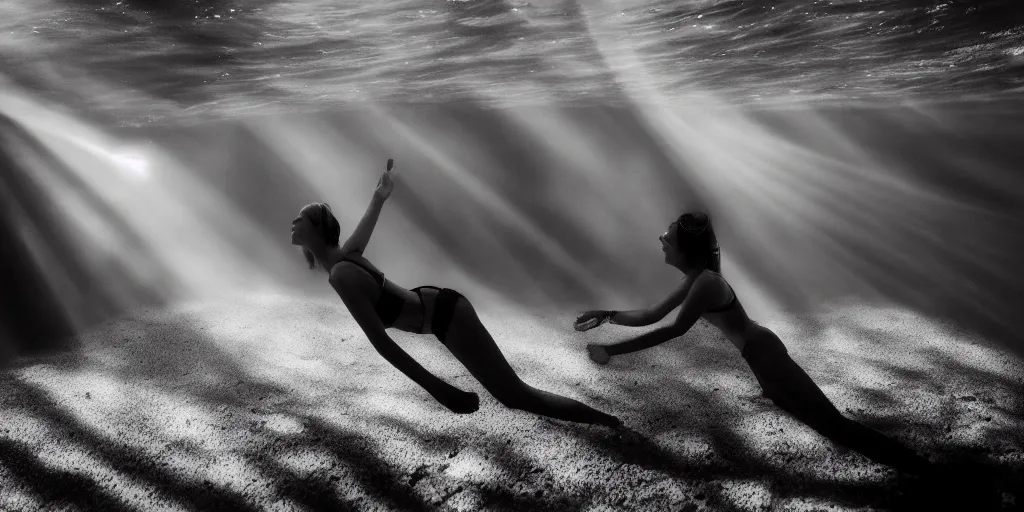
x=696, y=302
x=637, y=317
x=362, y=310
x=644, y=341
x=361, y=236
x=653, y=314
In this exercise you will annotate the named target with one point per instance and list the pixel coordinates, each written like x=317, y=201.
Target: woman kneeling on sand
x=690, y=246
x=378, y=304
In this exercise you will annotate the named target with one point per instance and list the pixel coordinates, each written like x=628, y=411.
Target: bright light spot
x=27, y=429
x=306, y=461
x=134, y=163
x=230, y=469
x=747, y=495
x=283, y=424
x=473, y=466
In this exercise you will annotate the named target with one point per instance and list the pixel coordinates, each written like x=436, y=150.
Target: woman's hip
x=761, y=343
x=447, y=308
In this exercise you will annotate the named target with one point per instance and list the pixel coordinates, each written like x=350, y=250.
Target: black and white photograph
x=511, y=255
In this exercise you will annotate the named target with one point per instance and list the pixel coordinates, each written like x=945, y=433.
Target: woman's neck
x=693, y=271
x=326, y=256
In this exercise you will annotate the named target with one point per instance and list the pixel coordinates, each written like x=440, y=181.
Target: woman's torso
x=413, y=314
x=416, y=307
x=729, y=316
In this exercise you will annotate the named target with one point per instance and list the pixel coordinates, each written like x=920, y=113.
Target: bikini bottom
x=444, y=308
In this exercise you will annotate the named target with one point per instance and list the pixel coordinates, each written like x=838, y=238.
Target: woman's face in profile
x=668, y=244
x=302, y=228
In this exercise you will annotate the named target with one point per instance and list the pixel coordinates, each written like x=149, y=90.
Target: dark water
x=156, y=151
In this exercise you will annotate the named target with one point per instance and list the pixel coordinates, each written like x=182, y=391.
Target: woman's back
x=398, y=307
x=730, y=317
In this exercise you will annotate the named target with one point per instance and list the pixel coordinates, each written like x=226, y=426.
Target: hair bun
x=694, y=223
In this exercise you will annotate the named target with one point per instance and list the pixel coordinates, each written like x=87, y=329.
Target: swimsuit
x=728, y=305
x=763, y=351
x=789, y=386
x=444, y=308
x=389, y=305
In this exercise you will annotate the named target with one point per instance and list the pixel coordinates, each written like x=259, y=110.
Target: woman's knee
x=514, y=394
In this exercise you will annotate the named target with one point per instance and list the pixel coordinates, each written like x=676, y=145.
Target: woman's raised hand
x=386, y=183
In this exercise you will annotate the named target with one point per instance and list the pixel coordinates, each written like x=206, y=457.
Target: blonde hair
x=323, y=218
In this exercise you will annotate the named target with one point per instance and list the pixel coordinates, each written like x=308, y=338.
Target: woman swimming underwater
x=377, y=304
x=690, y=246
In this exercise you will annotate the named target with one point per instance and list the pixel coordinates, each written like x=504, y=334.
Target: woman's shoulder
x=714, y=278
x=348, y=260
x=711, y=274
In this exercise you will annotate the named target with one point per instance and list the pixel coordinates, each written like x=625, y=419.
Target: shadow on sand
x=241, y=461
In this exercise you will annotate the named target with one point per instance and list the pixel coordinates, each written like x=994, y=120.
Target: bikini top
x=729, y=304
x=389, y=305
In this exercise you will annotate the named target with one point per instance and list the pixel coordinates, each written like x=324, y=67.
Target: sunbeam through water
x=860, y=161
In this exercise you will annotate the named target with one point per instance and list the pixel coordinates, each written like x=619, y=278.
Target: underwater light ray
x=113, y=239
x=102, y=266
x=487, y=236
x=341, y=158
x=327, y=161
x=624, y=191
x=895, y=228
x=607, y=195
x=200, y=218
x=485, y=196
x=821, y=219
x=339, y=161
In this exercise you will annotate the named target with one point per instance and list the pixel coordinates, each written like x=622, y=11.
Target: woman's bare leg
x=795, y=392
x=471, y=343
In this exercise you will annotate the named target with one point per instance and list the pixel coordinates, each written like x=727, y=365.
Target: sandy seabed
x=271, y=402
